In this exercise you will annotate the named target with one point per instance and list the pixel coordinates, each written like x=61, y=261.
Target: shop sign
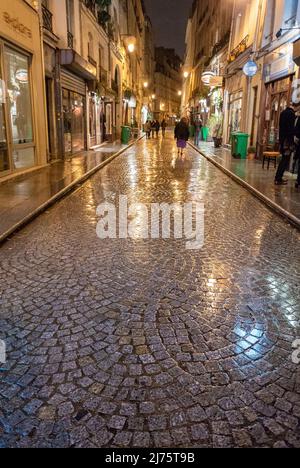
x=16, y=25
x=250, y=69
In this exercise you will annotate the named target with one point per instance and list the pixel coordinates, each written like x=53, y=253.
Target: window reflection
x=19, y=106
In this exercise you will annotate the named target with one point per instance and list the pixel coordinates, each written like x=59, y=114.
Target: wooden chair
x=271, y=153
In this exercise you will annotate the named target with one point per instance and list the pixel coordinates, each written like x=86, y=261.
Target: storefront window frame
x=11, y=146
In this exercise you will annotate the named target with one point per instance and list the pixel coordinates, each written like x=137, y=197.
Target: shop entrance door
x=74, y=128
x=93, y=120
x=277, y=99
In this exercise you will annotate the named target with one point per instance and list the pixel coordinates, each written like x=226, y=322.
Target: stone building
x=94, y=70
x=207, y=43
x=168, y=85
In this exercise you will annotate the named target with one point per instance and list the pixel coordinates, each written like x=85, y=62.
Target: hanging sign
x=250, y=69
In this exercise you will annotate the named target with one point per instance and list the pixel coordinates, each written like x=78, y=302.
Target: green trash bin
x=205, y=132
x=239, y=145
x=125, y=135
x=192, y=131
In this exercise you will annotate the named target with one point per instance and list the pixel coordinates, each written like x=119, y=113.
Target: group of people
x=153, y=128
x=289, y=138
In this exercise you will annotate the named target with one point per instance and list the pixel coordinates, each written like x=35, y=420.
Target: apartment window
x=290, y=12
x=70, y=15
x=269, y=23
x=70, y=23
x=90, y=46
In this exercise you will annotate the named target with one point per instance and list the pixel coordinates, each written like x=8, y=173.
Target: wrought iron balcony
x=70, y=40
x=47, y=19
x=91, y=5
x=234, y=54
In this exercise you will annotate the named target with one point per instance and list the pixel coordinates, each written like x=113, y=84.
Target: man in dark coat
x=286, y=139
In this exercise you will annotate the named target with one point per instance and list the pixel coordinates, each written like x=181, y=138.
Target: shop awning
x=74, y=62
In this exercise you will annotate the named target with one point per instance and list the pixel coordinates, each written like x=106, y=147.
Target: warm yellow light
x=179, y=93
x=146, y=84
x=153, y=96
x=131, y=48
x=186, y=74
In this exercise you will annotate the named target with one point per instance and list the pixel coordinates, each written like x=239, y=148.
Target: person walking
x=148, y=129
x=164, y=127
x=157, y=128
x=182, y=135
x=286, y=139
x=153, y=126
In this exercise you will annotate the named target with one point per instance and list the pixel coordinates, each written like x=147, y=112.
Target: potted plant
x=251, y=153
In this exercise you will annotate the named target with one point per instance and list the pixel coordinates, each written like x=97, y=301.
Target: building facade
x=22, y=111
x=94, y=70
x=207, y=44
x=265, y=32
x=168, y=85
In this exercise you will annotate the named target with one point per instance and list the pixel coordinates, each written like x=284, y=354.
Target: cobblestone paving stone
x=142, y=343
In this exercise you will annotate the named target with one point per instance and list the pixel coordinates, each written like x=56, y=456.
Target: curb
x=263, y=198
x=74, y=185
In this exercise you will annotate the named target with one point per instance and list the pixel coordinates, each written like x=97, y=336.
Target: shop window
x=4, y=154
x=17, y=71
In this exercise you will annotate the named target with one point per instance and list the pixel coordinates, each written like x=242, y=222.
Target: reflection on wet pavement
x=142, y=343
x=287, y=197
x=19, y=198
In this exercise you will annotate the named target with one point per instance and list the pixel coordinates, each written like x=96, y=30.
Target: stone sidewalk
x=285, y=200
x=24, y=198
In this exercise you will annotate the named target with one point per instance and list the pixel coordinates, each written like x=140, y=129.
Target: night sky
x=169, y=19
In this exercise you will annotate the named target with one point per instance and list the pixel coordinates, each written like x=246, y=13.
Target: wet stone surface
x=142, y=343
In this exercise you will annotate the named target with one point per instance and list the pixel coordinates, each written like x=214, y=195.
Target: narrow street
x=142, y=343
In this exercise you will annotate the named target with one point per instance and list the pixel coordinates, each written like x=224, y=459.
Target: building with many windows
x=217, y=85
x=168, y=85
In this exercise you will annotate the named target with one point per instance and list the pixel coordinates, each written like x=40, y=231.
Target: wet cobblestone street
x=142, y=343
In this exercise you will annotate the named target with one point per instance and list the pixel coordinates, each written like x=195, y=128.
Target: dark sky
x=169, y=19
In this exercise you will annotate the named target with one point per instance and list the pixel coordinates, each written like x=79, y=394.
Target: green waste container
x=239, y=145
x=205, y=132
x=192, y=131
x=125, y=135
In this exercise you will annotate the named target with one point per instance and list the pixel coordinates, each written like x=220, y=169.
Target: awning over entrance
x=73, y=61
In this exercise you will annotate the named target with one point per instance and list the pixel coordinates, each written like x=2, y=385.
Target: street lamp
x=131, y=48
x=130, y=42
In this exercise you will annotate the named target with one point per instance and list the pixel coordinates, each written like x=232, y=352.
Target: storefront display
x=23, y=129
x=16, y=111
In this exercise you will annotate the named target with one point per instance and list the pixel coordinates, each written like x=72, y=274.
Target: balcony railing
x=91, y=5
x=70, y=40
x=235, y=53
x=47, y=19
